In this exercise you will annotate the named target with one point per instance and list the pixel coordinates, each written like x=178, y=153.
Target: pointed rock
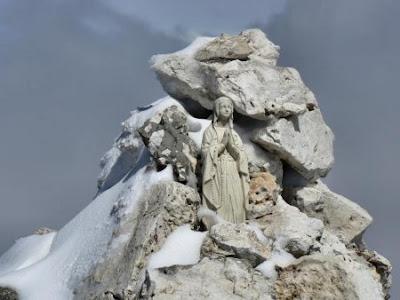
x=242, y=68
x=305, y=142
x=344, y=218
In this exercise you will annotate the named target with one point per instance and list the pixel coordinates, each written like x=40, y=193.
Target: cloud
x=191, y=18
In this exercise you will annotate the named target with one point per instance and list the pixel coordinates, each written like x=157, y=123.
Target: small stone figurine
x=225, y=168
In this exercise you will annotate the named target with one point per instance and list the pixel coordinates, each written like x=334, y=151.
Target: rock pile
x=300, y=240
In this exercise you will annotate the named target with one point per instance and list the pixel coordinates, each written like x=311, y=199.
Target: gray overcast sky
x=70, y=72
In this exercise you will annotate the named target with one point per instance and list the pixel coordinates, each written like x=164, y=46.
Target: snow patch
x=182, y=247
x=209, y=217
x=279, y=257
x=25, y=252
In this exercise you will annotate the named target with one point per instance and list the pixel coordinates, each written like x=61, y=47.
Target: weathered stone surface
x=313, y=278
x=241, y=240
x=128, y=152
x=228, y=278
x=166, y=137
x=259, y=159
x=296, y=232
x=242, y=68
x=225, y=47
x=263, y=194
x=258, y=89
x=261, y=45
x=305, y=142
x=369, y=279
x=163, y=208
x=344, y=218
x=383, y=268
x=7, y=293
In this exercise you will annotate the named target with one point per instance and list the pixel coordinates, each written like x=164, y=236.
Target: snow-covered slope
x=50, y=266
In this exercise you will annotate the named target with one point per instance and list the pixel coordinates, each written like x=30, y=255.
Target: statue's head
x=223, y=110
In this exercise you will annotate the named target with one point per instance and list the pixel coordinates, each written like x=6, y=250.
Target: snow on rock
x=279, y=258
x=79, y=245
x=182, y=247
x=128, y=147
x=139, y=233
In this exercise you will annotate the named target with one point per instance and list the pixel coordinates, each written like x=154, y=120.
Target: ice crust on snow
x=182, y=247
x=79, y=244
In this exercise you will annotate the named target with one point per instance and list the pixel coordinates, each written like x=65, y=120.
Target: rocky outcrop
x=7, y=293
x=166, y=137
x=344, y=218
x=122, y=272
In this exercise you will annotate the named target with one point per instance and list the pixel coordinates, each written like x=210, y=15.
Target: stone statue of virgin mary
x=225, y=169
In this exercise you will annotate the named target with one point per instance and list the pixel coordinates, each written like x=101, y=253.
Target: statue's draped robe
x=225, y=181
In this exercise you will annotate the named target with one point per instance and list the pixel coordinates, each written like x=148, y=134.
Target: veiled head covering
x=216, y=109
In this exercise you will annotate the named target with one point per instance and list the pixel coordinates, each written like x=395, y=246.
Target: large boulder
x=242, y=68
x=305, y=142
x=242, y=241
x=344, y=218
x=296, y=231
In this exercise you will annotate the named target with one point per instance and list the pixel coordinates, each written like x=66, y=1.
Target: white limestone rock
x=242, y=241
x=242, y=68
x=305, y=142
x=296, y=232
x=228, y=278
x=327, y=277
x=258, y=158
x=344, y=218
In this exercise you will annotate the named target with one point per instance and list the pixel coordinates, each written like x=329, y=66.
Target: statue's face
x=225, y=110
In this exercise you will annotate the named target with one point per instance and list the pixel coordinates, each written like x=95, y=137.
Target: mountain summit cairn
x=149, y=233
